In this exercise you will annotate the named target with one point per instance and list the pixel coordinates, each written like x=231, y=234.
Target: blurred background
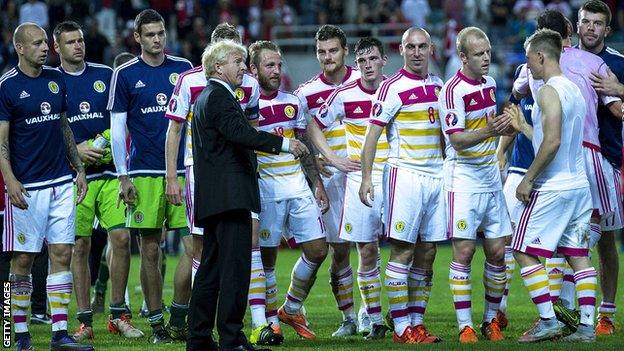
x=107, y=26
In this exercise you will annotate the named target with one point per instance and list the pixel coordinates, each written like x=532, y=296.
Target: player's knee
x=429, y=253
x=22, y=262
x=368, y=256
x=464, y=254
x=340, y=253
x=150, y=251
x=497, y=257
x=120, y=239
x=60, y=256
x=316, y=253
x=82, y=247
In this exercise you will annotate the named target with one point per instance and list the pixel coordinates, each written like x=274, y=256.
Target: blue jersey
x=87, y=96
x=610, y=127
x=143, y=92
x=33, y=108
x=522, y=154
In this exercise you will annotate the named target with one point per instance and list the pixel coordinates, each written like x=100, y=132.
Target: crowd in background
x=108, y=23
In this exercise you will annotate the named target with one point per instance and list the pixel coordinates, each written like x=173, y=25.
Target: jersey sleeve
x=602, y=70
x=521, y=83
x=63, y=90
x=330, y=111
x=180, y=103
x=386, y=104
x=5, y=104
x=303, y=103
x=118, y=97
x=252, y=111
x=452, y=111
x=301, y=122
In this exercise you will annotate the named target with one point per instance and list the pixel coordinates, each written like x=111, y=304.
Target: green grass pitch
x=324, y=316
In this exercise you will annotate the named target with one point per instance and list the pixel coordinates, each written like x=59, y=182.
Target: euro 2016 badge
x=377, y=109
x=451, y=119
x=437, y=91
x=54, y=88
x=173, y=78
x=99, y=86
x=289, y=111
x=492, y=95
x=240, y=94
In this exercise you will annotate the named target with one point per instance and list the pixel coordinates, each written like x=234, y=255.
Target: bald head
x=413, y=30
x=25, y=31
x=416, y=49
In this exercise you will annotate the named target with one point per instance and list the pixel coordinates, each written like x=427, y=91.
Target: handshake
x=508, y=123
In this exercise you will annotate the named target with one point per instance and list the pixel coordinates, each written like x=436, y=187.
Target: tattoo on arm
x=70, y=145
x=307, y=162
x=4, y=148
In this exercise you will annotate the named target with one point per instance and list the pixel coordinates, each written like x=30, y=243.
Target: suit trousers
x=221, y=282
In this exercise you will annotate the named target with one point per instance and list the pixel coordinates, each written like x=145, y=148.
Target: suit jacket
x=224, y=162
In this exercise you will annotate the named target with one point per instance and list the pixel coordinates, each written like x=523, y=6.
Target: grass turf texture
x=324, y=316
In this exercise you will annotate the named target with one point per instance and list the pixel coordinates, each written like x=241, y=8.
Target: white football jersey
x=566, y=170
x=313, y=94
x=464, y=105
x=281, y=176
x=352, y=104
x=407, y=105
x=188, y=87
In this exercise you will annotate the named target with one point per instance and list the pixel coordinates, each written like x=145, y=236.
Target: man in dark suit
x=226, y=190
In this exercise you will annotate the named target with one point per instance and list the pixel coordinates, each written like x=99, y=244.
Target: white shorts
x=360, y=223
x=335, y=189
x=555, y=221
x=51, y=216
x=598, y=172
x=469, y=213
x=509, y=191
x=300, y=216
x=189, y=196
x=414, y=206
x=616, y=220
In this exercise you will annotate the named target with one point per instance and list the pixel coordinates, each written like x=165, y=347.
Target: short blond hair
x=546, y=41
x=465, y=35
x=218, y=53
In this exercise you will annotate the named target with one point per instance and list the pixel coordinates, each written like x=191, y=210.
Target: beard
x=268, y=84
x=588, y=44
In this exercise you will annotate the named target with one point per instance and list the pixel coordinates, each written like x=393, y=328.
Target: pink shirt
x=576, y=65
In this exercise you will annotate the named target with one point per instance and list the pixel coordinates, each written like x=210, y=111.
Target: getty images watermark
x=6, y=315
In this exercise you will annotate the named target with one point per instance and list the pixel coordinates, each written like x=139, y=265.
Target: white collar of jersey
x=76, y=73
x=226, y=85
